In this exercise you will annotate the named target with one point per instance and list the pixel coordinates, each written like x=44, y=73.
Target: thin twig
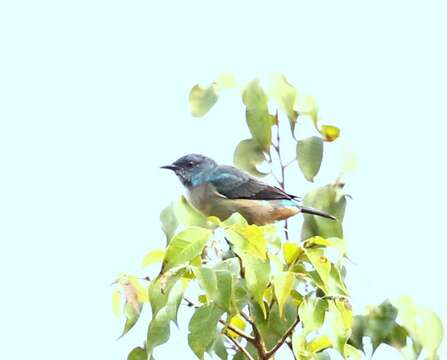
x=289, y=344
x=247, y=318
x=240, y=348
x=247, y=337
x=282, y=180
x=275, y=177
x=290, y=162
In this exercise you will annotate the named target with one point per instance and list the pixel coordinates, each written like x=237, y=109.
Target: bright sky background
x=93, y=99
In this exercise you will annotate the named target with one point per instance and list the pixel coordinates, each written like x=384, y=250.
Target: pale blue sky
x=93, y=99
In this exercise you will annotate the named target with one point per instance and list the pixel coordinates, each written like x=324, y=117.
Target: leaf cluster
x=251, y=290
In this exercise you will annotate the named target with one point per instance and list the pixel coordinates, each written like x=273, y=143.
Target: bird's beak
x=170, y=167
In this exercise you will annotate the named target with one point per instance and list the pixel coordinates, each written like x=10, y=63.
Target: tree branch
x=240, y=348
x=289, y=344
x=247, y=337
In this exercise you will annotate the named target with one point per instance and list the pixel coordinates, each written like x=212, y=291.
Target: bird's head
x=192, y=169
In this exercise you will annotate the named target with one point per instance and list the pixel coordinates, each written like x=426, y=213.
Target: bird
x=221, y=190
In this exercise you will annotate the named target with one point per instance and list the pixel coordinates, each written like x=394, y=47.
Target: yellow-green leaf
x=291, y=252
x=329, y=132
x=283, y=283
x=116, y=303
x=247, y=155
x=238, y=322
x=299, y=345
x=339, y=318
x=319, y=343
x=423, y=324
x=257, y=276
x=259, y=120
x=312, y=313
x=225, y=81
x=307, y=105
x=168, y=221
x=185, y=246
x=202, y=99
x=321, y=264
x=132, y=316
x=153, y=256
x=141, y=291
x=352, y=353
x=285, y=95
x=309, y=153
x=188, y=215
x=249, y=239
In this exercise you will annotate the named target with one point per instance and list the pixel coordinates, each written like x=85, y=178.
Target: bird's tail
x=313, y=211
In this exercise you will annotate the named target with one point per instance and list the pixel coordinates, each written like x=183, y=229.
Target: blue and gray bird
x=221, y=190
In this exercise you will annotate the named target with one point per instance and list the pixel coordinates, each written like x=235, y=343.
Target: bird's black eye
x=190, y=164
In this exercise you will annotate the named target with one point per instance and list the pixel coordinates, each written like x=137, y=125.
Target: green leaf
x=185, y=246
x=259, y=120
x=202, y=99
x=132, y=316
x=329, y=198
x=158, y=332
x=239, y=298
x=207, y=280
x=175, y=297
x=285, y=96
x=424, y=326
x=202, y=329
x=337, y=284
x=260, y=125
x=224, y=290
x=137, y=353
x=218, y=285
x=274, y=327
x=247, y=155
x=257, y=276
x=188, y=215
x=312, y=313
x=321, y=264
x=283, y=283
x=159, y=293
x=152, y=257
x=307, y=105
x=219, y=347
x=249, y=239
x=168, y=221
x=309, y=153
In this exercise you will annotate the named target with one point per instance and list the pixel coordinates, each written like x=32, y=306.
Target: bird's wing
x=235, y=184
